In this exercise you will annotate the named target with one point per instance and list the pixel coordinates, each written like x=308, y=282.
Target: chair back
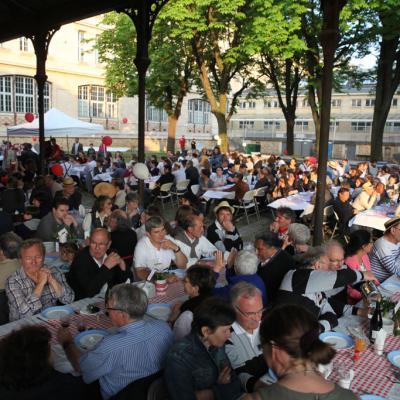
x=248, y=196
x=328, y=211
x=3, y=308
x=166, y=187
x=260, y=192
x=195, y=189
x=182, y=185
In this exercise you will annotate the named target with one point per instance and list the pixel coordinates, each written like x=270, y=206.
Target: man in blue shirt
x=137, y=350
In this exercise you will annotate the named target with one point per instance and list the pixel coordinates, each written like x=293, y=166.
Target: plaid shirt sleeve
x=67, y=295
x=22, y=302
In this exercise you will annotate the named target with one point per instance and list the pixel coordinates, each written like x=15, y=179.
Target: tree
x=169, y=75
x=221, y=34
x=388, y=69
x=282, y=60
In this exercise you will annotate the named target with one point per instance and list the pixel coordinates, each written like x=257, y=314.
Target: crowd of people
x=254, y=309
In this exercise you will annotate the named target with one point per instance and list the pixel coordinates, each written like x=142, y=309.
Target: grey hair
x=10, y=244
x=153, y=222
x=27, y=244
x=331, y=243
x=246, y=263
x=299, y=233
x=129, y=298
x=310, y=257
x=243, y=289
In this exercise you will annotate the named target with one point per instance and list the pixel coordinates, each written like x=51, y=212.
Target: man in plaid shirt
x=34, y=287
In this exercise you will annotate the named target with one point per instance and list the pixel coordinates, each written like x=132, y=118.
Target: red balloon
x=107, y=140
x=125, y=120
x=57, y=170
x=29, y=117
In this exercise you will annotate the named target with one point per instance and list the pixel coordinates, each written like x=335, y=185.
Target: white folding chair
x=195, y=189
x=246, y=203
x=259, y=193
x=336, y=227
x=165, y=193
x=328, y=212
x=180, y=189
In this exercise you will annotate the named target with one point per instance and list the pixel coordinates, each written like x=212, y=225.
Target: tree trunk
x=290, y=120
x=222, y=131
x=172, y=121
x=386, y=85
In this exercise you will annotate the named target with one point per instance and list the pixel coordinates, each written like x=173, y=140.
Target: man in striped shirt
x=385, y=254
x=136, y=351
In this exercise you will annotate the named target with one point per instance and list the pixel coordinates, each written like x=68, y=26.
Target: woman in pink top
x=360, y=244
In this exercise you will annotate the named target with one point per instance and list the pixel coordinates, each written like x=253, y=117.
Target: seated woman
x=292, y=348
x=198, y=284
x=281, y=189
x=205, y=181
x=197, y=366
x=356, y=257
x=26, y=370
x=97, y=218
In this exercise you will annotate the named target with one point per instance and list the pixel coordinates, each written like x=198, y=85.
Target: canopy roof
x=25, y=17
x=56, y=123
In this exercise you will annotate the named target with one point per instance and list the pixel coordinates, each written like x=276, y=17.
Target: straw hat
x=68, y=181
x=392, y=222
x=105, y=189
x=367, y=185
x=332, y=164
x=224, y=204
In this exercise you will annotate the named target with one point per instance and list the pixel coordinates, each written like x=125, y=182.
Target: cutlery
x=44, y=320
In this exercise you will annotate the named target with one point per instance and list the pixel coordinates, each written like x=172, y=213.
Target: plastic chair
x=165, y=193
x=328, y=212
x=336, y=227
x=195, y=189
x=259, y=194
x=180, y=189
x=246, y=203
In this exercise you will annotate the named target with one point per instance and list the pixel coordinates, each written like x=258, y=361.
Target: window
x=356, y=102
x=393, y=126
x=96, y=52
x=333, y=124
x=271, y=104
x=394, y=102
x=269, y=125
x=5, y=94
x=95, y=102
x=199, y=111
x=302, y=124
x=369, y=102
x=360, y=126
x=246, y=124
x=336, y=103
x=19, y=93
x=81, y=47
x=23, y=44
x=155, y=114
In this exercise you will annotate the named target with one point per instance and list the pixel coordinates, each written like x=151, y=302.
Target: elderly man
x=93, y=270
x=245, y=270
x=284, y=216
x=222, y=233
x=385, y=254
x=155, y=251
x=69, y=192
x=274, y=262
x=9, y=247
x=33, y=287
x=366, y=199
x=244, y=349
x=297, y=239
x=57, y=222
x=137, y=350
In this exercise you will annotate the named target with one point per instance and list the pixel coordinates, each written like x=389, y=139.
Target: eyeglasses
x=35, y=258
x=95, y=244
x=112, y=309
x=251, y=314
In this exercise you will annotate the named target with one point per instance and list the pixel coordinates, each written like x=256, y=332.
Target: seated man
x=32, y=287
x=243, y=348
x=344, y=210
x=385, y=254
x=155, y=251
x=9, y=247
x=222, y=233
x=69, y=192
x=57, y=221
x=284, y=216
x=93, y=268
x=191, y=240
x=137, y=350
x=366, y=199
x=274, y=262
x=166, y=177
x=240, y=187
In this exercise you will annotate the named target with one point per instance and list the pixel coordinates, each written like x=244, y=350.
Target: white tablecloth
x=374, y=218
x=77, y=170
x=216, y=194
x=296, y=202
x=106, y=177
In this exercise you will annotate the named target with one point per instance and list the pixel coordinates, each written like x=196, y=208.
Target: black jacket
x=86, y=278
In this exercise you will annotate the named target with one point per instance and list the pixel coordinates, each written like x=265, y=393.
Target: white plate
x=87, y=340
x=159, y=311
x=57, y=312
x=394, y=358
x=337, y=339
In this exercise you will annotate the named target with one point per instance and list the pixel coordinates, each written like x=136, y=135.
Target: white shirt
x=183, y=325
x=103, y=290
x=203, y=249
x=179, y=175
x=147, y=256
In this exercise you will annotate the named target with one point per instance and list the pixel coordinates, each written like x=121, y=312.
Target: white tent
x=56, y=123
